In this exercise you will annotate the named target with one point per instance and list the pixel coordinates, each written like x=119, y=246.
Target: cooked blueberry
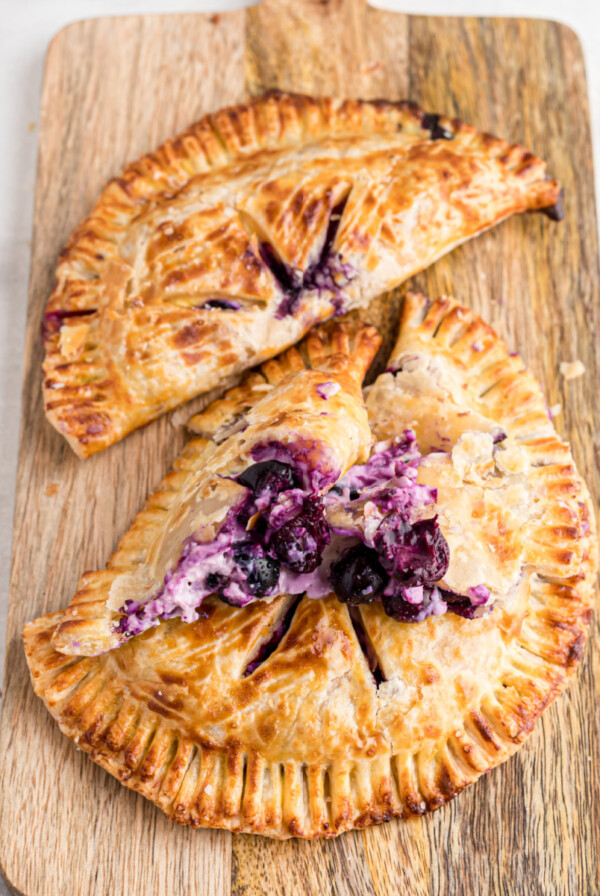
x=400, y=609
x=214, y=581
x=431, y=123
x=555, y=212
x=260, y=571
x=358, y=576
x=414, y=553
x=354, y=494
x=300, y=542
x=269, y=475
x=462, y=606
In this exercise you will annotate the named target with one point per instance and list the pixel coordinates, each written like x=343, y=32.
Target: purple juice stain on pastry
x=328, y=390
x=328, y=274
x=220, y=305
x=472, y=605
x=53, y=320
x=288, y=279
x=358, y=577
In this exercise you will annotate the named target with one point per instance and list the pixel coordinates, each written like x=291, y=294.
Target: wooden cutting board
x=114, y=88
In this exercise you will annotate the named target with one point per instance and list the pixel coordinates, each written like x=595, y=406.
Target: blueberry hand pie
x=458, y=598
x=229, y=242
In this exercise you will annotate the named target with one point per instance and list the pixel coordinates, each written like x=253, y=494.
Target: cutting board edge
x=55, y=42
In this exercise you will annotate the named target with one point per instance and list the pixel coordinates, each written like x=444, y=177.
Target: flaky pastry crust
x=229, y=242
x=308, y=744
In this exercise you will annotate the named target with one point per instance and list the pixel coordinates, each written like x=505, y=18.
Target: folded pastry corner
x=207, y=526
x=229, y=242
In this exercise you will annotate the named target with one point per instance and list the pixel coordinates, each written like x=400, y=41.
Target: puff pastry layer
x=230, y=241
x=351, y=719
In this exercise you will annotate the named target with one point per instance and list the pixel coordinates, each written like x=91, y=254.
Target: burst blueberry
x=261, y=572
x=299, y=543
x=414, y=553
x=269, y=475
x=358, y=577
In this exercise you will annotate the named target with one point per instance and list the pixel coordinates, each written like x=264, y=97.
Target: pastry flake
x=226, y=244
x=301, y=717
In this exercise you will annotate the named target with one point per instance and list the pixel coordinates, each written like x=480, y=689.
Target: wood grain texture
x=116, y=87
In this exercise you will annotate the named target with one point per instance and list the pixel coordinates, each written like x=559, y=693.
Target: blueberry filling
x=288, y=279
x=269, y=475
x=53, y=320
x=220, y=305
x=365, y=645
x=299, y=543
x=272, y=643
x=431, y=604
x=358, y=577
x=328, y=274
x=313, y=476
x=413, y=553
x=471, y=606
x=367, y=538
x=431, y=123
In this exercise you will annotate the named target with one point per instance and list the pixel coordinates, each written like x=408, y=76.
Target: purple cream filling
x=278, y=540
x=328, y=390
x=329, y=274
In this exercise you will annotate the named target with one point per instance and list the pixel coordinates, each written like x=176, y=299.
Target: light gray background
x=26, y=29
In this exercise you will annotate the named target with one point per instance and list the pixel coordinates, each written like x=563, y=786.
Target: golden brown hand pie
x=230, y=241
x=307, y=718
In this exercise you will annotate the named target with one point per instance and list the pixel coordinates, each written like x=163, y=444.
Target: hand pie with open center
x=457, y=607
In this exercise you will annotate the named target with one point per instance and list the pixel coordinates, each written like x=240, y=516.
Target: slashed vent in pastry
x=308, y=717
x=230, y=241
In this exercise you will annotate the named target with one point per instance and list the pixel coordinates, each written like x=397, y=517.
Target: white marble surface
x=27, y=27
